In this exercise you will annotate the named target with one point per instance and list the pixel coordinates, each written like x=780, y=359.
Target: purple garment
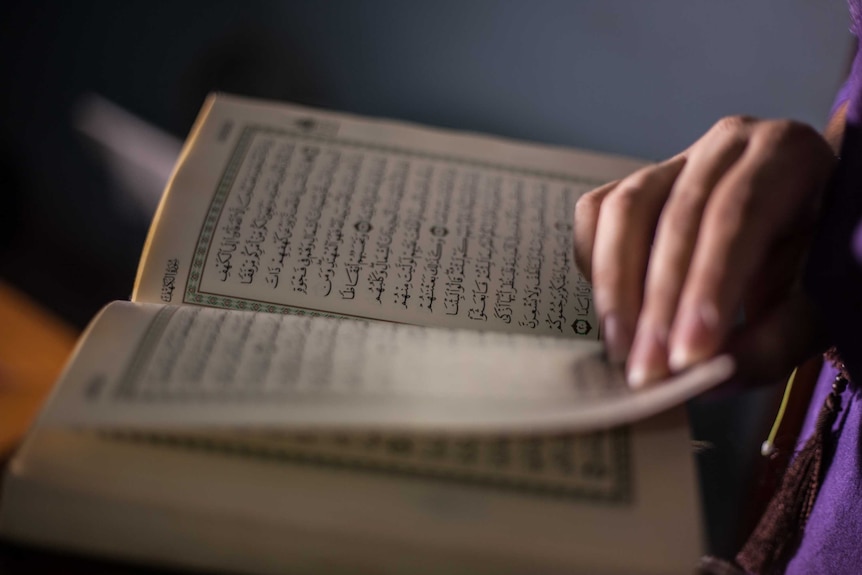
x=834, y=274
x=832, y=542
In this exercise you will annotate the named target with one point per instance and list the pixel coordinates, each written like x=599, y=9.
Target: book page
x=558, y=504
x=183, y=367
x=277, y=207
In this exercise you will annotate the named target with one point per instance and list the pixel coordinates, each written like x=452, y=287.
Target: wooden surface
x=34, y=347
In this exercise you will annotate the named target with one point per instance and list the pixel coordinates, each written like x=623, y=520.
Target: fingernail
x=647, y=362
x=693, y=336
x=617, y=338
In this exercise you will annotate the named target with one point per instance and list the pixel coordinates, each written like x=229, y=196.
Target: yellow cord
x=768, y=446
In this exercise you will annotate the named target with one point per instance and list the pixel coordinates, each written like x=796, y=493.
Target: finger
x=674, y=244
x=626, y=224
x=759, y=200
x=586, y=219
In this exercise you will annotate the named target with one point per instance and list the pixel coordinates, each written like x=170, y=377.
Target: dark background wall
x=630, y=77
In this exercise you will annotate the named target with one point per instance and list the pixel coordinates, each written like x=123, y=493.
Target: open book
x=357, y=345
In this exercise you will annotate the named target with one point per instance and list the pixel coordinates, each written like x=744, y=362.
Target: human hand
x=678, y=249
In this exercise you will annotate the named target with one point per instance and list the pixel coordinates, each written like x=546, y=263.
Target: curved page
x=184, y=366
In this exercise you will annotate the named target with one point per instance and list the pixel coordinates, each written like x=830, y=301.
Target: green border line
x=192, y=293
x=143, y=352
x=619, y=492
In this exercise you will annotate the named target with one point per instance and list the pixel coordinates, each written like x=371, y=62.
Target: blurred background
x=628, y=77
x=97, y=97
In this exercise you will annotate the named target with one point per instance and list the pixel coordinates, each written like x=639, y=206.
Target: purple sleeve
x=834, y=275
x=830, y=542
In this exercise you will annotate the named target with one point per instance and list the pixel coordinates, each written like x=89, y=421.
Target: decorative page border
x=619, y=469
x=619, y=492
x=194, y=295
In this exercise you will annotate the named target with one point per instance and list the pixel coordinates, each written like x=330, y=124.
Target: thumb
x=783, y=338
